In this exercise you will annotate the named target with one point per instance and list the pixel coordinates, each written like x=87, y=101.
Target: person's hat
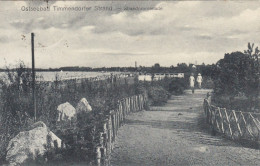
x=199, y=74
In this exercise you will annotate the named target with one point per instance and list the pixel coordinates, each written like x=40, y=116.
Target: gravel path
x=176, y=134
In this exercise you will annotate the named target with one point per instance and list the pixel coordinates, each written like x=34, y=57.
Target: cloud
x=204, y=37
x=4, y=39
x=186, y=31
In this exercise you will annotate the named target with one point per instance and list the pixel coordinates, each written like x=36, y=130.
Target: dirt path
x=176, y=134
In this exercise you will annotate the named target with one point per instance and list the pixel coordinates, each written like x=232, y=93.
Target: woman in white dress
x=199, y=80
x=192, y=82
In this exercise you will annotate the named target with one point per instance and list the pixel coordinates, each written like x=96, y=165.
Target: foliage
x=237, y=103
x=207, y=83
x=158, y=95
x=160, y=91
x=238, y=75
x=14, y=109
x=17, y=107
x=177, y=86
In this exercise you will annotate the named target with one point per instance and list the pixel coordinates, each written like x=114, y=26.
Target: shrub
x=16, y=111
x=238, y=75
x=177, y=86
x=160, y=91
x=157, y=95
x=207, y=83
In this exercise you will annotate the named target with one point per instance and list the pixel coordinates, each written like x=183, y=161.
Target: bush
x=240, y=103
x=238, y=75
x=160, y=91
x=157, y=95
x=177, y=86
x=16, y=109
x=207, y=83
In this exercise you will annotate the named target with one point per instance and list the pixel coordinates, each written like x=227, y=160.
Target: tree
x=252, y=75
x=156, y=68
x=182, y=67
x=228, y=81
x=238, y=74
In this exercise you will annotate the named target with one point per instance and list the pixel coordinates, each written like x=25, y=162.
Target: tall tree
x=238, y=74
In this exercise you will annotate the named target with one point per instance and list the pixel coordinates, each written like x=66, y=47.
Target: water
x=51, y=76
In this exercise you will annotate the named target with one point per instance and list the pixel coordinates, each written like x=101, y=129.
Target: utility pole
x=33, y=77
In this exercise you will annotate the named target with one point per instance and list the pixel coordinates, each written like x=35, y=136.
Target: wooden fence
x=114, y=120
x=96, y=140
x=237, y=125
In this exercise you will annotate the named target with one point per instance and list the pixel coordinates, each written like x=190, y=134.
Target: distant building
x=158, y=76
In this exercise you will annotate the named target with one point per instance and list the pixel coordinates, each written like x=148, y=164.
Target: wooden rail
x=115, y=119
x=237, y=125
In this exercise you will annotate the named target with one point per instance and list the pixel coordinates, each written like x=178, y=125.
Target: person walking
x=192, y=81
x=199, y=80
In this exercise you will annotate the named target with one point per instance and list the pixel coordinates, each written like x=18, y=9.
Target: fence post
x=221, y=117
x=103, y=155
x=258, y=129
x=139, y=99
x=129, y=104
x=237, y=123
x=123, y=109
x=98, y=156
x=121, y=113
x=132, y=101
x=243, y=118
x=113, y=126
x=136, y=103
x=229, y=126
x=117, y=120
x=142, y=99
x=108, y=145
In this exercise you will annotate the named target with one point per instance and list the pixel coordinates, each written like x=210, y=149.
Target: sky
x=181, y=32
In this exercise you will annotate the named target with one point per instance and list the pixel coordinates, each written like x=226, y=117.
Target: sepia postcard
x=129, y=83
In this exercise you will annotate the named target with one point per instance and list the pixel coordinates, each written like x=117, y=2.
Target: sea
x=64, y=75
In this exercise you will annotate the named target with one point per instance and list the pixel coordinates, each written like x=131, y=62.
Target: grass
x=16, y=110
x=239, y=103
